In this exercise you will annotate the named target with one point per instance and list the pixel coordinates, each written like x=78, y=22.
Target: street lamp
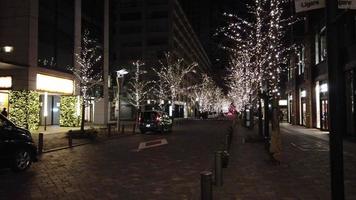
x=7, y=49
x=119, y=74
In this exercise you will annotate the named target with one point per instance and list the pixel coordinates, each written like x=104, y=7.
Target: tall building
x=146, y=29
x=307, y=86
x=38, y=41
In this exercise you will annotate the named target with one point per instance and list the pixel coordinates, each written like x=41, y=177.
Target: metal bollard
x=227, y=142
x=123, y=129
x=109, y=130
x=134, y=128
x=218, y=169
x=40, y=143
x=206, y=185
x=70, y=140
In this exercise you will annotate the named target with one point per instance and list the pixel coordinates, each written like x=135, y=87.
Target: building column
x=77, y=32
x=308, y=49
x=106, y=60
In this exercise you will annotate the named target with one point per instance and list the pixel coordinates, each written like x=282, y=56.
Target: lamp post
x=119, y=74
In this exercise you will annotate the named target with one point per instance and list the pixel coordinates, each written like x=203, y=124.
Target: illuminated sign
x=283, y=102
x=303, y=93
x=324, y=88
x=6, y=82
x=54, y=84
x=306, y=5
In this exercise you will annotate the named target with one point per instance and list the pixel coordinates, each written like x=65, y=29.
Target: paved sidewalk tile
x=303, y=173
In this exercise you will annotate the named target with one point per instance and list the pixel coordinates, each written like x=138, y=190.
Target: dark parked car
x=17, y=149
x=155, y=121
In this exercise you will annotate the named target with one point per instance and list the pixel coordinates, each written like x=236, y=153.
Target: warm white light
x=283, y=102
x=170, y=111
x=148, y=102
x=120, y=73
x=303, y=93
x=8, y=49
x=324, y=87
x=54, y=84
x=78, y=106
x=6, y=82
x=45, y=110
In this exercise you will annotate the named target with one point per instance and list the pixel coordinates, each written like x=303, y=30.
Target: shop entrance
x=53, y=110
x=324, y=115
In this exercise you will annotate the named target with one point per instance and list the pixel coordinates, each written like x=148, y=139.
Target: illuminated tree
x=87, y=73
x=138, y=88
x=172, y=73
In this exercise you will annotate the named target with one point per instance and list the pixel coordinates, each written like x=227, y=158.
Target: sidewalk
x=303, y=174
x=55, y=137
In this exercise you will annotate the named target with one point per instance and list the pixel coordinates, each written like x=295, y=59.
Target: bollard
x=40, y=143
x=134, y=128
x=70, y=140
x=227, y=142
x=231, y=135
x=123, y=129
x=206, y=185
x=109, y=130
x=218, y=169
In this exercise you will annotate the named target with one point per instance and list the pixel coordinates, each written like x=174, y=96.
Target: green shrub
x=24, y=109
x=68, y=116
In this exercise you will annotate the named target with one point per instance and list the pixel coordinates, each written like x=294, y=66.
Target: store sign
x=283, y=102
x=306, y=5
x=5, y=82
x=54, y=84
x=347, y=4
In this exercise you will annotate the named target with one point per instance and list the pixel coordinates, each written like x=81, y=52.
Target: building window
x=157, y=41
x=320, y=46
x=158, y=14
x=130, y=30
x=128, y=3
x=301, y=60
x=130, y=16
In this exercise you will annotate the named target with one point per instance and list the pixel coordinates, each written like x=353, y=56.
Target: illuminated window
x=320, y=46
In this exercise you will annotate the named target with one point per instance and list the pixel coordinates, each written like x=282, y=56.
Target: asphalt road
x=151, y=166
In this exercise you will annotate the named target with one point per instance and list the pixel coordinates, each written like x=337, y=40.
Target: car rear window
x=149, y=115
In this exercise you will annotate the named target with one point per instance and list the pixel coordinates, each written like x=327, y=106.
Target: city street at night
x=178, y=99
x=115, y=169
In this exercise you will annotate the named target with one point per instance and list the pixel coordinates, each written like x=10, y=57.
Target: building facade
x=146, y=30
x=38, y=41
x=307, y=86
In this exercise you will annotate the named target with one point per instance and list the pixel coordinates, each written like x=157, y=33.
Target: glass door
x=324, y=115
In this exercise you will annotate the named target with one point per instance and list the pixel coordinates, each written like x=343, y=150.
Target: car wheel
x=22, y=160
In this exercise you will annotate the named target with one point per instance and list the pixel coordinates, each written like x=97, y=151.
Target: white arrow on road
x=152, y=143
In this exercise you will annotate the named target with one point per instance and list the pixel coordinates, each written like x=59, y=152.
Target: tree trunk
x=276, y=142
x=260, y=122
x=83, y=118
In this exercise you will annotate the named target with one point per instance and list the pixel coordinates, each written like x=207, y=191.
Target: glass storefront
x=4, y=100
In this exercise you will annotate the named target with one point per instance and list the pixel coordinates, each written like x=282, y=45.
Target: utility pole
x=337, y=104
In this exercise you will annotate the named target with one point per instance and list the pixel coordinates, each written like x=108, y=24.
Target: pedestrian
x=4, y=112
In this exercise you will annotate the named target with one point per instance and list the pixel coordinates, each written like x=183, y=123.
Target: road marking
x=152, y=143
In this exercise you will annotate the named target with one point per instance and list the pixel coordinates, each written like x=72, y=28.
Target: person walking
x=4, y=112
